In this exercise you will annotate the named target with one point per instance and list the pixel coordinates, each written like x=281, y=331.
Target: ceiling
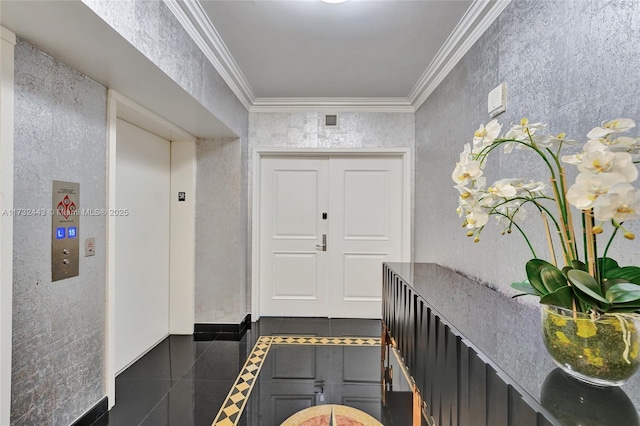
x=317, y=49
x=378, y=54
x=295, y=55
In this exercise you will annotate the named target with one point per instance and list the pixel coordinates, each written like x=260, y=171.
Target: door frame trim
x=260, y=153
x=7, y=71
x=181, y=216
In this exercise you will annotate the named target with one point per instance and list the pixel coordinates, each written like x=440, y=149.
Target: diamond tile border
x=334, y=341
x=238, y=396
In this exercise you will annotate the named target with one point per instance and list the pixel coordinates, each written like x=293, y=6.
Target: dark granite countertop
x=508, y=333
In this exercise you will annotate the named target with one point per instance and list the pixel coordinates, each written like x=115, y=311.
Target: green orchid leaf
x=629, y=306
x=617, y=309
x=552, y=278
x=587, y=284
x=584, y=300
x=623, y=293
x=525, y=287
x=576, y=264
x=609, y=264
x=608, y=282
x=626, y=307
x=582, y=305
x=562, y=297
x=533, y=268
x=566, y=269
x=629, y=273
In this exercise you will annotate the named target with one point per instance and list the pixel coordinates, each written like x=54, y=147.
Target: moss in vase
x=606, y=348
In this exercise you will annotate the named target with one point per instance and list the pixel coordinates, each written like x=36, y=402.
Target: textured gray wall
x=220, y=267
x=58, y=328
x=356, y=130
x=299, y=130
x=152, y=29
x=570, y=64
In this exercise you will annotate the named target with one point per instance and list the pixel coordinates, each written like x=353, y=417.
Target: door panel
x=360, y=270
x=290, y=272
x=293, y=272
x=365, y=213
x=296, y=203
x=365, y=230
x=142, y=242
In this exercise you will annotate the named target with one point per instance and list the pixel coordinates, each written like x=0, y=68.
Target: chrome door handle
x=322, y=247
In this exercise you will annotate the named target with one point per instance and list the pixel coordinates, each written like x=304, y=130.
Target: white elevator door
x=143, y=162
x=357, y=203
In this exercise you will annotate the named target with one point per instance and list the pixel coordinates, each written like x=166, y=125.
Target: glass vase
x=601, y=350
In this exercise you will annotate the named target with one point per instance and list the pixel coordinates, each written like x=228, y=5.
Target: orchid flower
x=621, y=203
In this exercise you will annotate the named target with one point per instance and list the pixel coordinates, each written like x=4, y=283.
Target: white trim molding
x=334, y=104
x=195, y=21
x=473, y=24
x=182, y=245
x=7, y=43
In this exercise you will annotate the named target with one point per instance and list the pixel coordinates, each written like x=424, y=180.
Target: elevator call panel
x=65, y=230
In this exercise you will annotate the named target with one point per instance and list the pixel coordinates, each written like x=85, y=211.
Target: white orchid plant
x=603, y=193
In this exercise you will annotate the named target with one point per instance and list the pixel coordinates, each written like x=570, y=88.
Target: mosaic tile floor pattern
x=233, y=406
x=331, y=415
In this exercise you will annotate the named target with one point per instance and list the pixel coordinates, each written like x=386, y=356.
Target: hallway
x=228, y=83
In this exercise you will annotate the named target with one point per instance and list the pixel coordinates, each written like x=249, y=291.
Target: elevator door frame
x=182, y=223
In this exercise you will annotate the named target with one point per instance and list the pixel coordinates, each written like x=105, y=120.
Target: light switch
x=89, y=247
x=497, y=102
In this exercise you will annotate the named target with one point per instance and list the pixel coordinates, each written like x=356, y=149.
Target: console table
x=476, y=357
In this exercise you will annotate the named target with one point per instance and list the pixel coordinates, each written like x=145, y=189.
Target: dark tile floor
x=184, y=382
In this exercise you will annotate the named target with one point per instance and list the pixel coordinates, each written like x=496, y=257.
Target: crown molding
x=473, y=24
x=200, y=28
x=332, y=104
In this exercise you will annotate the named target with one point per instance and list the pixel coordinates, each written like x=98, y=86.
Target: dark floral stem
x=584, y=235
x=521, y=232
x=606, y=249
x=540, y=208
x=560, y=202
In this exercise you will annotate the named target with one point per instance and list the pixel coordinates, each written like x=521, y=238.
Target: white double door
x=326, y=226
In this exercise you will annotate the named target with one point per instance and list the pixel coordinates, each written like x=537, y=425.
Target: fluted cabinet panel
x=458, y=383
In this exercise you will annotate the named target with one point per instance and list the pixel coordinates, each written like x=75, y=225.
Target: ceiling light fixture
x=334, y=1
